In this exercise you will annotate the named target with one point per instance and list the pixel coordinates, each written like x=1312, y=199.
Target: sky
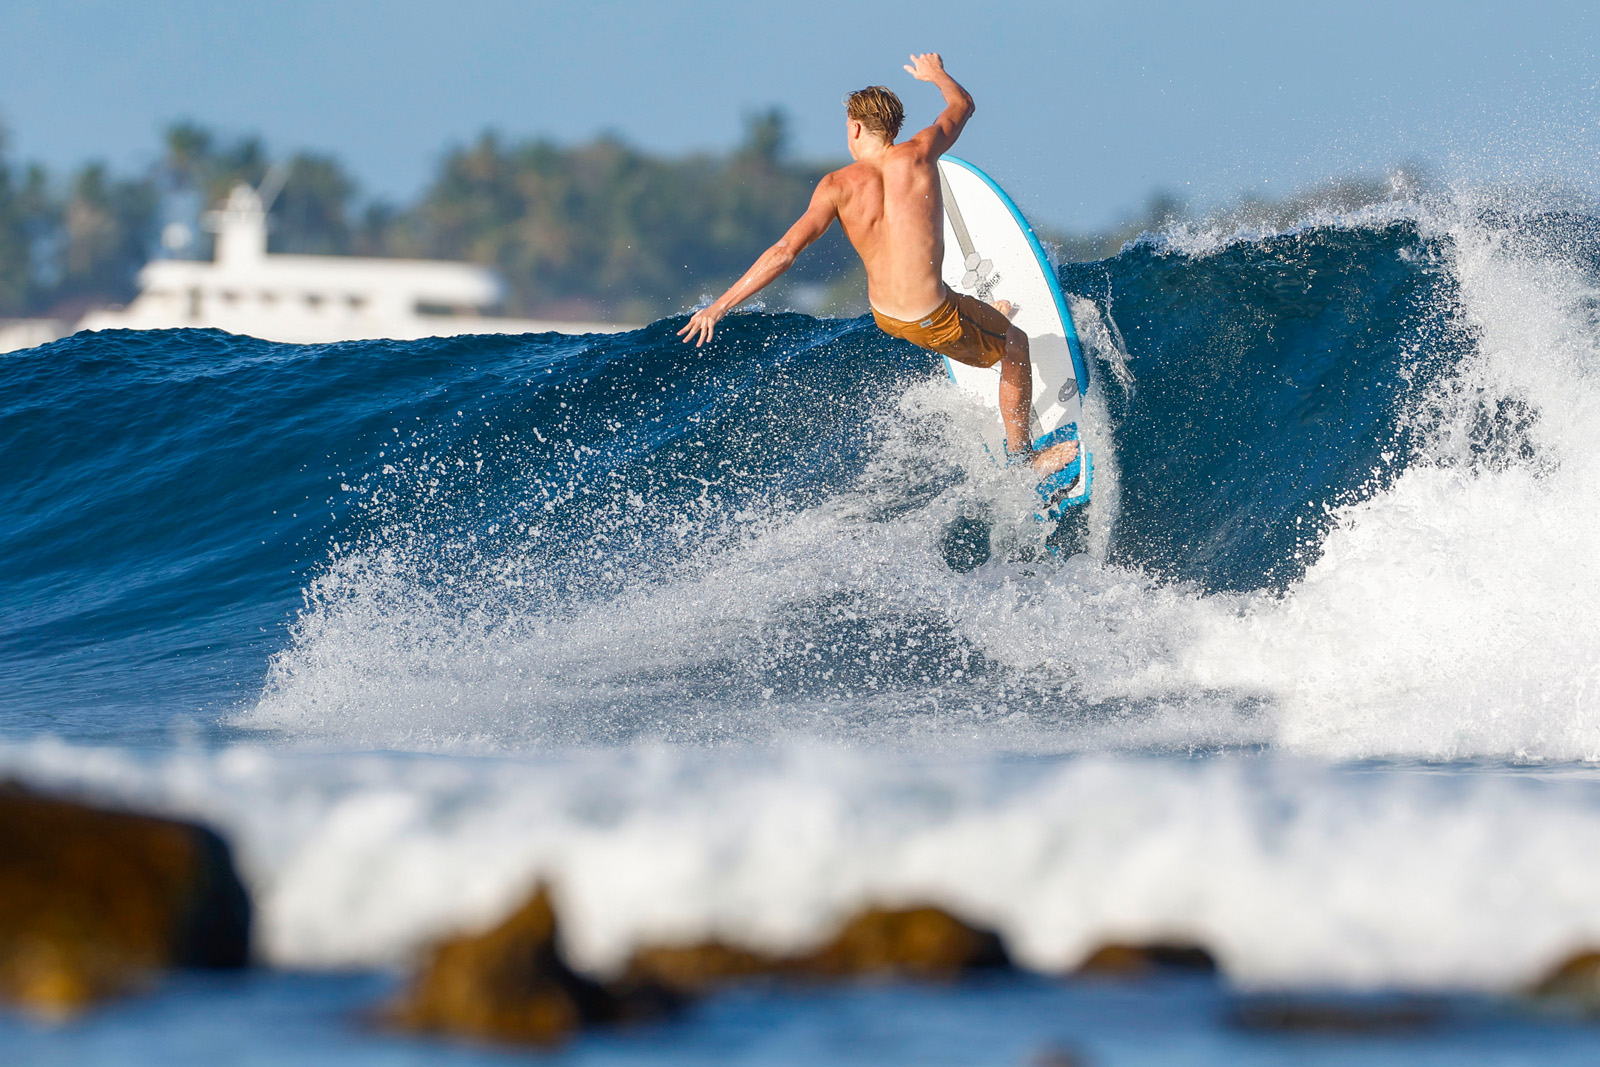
x=1084, y=108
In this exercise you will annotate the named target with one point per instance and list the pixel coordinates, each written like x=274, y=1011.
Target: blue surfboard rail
x=1079, y=368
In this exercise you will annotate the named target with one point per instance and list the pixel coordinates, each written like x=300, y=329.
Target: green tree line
x=600, y=229
x=594, y=230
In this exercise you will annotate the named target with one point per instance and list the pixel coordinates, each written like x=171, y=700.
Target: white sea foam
x=1293, y=873
x=1453, y=614
x=829, y=624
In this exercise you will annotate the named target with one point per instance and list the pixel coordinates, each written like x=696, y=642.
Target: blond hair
x=878, y=109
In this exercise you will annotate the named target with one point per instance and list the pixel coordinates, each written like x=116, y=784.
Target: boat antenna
x=273, y=183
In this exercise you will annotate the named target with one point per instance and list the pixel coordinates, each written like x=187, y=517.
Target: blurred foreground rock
x=1575, y=983
x=511, y=984
x=1117, y=960
x=94, y=902
x=925, y=943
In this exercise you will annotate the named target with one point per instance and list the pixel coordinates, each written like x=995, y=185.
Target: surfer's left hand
x=926, y=67
x=701, y=325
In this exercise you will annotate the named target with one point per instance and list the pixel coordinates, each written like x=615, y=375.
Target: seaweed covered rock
x=695, y=968
x=915, y=943
x=925, y=943
x=1119, y=960
x=511, y=984
x=95, y=902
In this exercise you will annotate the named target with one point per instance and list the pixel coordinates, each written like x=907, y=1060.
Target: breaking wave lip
x=1197, y=239
x=840, y=620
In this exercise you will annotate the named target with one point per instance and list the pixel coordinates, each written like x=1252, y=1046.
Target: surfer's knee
x=1016, y=340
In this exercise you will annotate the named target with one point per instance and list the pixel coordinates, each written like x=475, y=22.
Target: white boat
x=302, y=298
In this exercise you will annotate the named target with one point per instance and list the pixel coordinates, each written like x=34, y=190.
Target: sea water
x=685, y=634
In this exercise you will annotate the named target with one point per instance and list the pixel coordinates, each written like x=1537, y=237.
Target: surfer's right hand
x=701, y=325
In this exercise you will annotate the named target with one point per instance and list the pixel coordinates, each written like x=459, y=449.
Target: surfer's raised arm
x=958, y=104
x=773, y=262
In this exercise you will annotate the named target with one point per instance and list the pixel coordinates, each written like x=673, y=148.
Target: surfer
x=891, y=208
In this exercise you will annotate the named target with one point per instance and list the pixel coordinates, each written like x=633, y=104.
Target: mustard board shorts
x=963, y=328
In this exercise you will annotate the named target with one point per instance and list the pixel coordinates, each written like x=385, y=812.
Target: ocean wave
x=1344, y=508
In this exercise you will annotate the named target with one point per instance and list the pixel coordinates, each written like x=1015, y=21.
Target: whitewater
x=703, y=640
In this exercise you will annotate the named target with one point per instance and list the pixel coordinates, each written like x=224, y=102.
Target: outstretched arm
x=773, y=262
x=937, y=139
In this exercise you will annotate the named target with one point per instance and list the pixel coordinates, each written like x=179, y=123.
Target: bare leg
x=1016, y=394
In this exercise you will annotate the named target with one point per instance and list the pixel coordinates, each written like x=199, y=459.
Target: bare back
x=892, y=211
x=889, y=204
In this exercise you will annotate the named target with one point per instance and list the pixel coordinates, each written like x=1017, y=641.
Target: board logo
x=979, y=276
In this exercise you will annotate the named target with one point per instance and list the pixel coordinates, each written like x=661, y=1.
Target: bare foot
x=1005, y=307
x=1052, y=459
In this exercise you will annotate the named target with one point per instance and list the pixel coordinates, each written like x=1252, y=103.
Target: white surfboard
x=990, y=252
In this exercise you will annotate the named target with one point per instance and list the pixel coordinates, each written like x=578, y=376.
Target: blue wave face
x=620, y=536
x=1274, y=378
x=166, y=495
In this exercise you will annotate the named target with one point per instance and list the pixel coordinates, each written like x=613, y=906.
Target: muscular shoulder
x=907, y=162
x=914, y=152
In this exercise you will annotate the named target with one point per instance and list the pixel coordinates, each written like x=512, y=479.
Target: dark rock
x=1575, y=982
x=1340, y=1015
x=512, y=984
x=925, y=943
x=95, y=902
x=1118, y=960
x=1058, y=1056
